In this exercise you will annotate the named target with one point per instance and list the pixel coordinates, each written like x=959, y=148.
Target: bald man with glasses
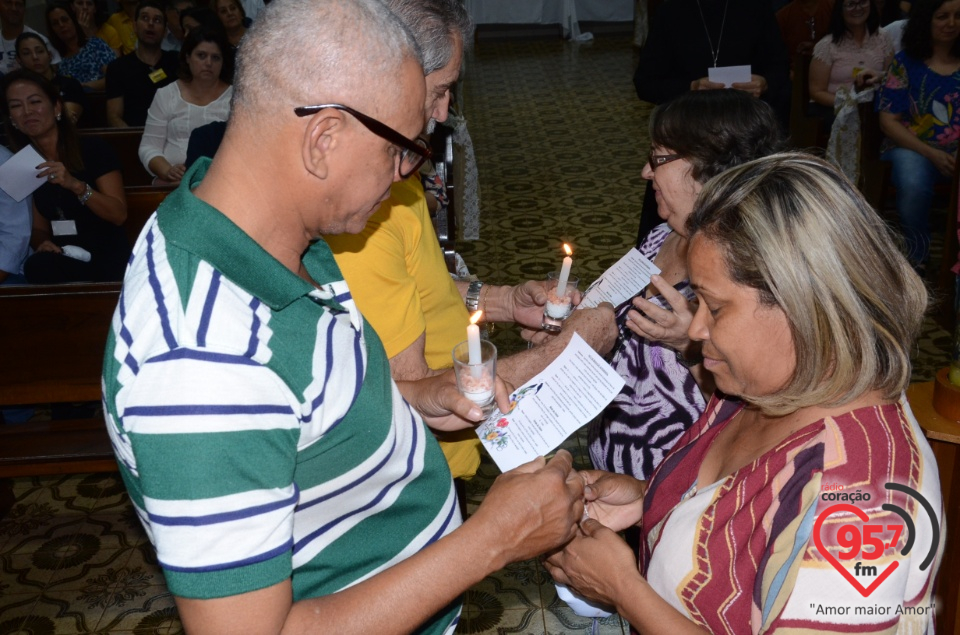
x=281, y=475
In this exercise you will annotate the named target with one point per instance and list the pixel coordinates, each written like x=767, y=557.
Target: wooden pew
x=53, y=338
x=805, y=131
x=126, y=143
x=142, y=202
x=95, y=114
x=874, y=173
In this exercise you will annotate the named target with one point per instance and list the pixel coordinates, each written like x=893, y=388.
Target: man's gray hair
x=433, y=24
x=303, y=52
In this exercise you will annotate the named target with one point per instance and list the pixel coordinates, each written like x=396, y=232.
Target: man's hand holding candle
x=443, y=408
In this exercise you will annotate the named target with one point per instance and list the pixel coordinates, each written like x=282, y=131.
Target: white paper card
x=624, y=279
x=18, y=176
x=550, y=407
x=729, y=75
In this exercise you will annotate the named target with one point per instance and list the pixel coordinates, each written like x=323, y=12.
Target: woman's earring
x=58, y=116
x=14, y=125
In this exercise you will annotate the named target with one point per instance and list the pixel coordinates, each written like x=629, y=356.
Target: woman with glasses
x=665, y=380
x=754, y=522
x=200, y=96
x=855, y=52
x=920, y=117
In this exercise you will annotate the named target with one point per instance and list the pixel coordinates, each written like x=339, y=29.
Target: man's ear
x=320, y=139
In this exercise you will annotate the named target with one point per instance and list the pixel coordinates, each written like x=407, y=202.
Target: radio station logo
x=865, y=542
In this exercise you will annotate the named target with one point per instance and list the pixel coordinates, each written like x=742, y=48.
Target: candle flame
x=475, y=317
x=567, y=249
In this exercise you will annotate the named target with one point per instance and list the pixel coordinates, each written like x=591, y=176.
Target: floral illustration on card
x=495, y=433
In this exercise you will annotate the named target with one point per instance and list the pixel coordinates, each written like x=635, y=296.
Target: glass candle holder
x=476, y=381
x=559, y=301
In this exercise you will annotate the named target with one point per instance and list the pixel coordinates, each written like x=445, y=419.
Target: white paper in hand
x=729, y=75
x=550, y=407
x=624, y=279
x=18, y=176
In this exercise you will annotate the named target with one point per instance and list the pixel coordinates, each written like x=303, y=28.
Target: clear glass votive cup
x=559, y=302
x=476, y=381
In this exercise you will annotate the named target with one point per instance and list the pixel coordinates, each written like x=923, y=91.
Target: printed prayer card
x=624, y=279
x=550, y=407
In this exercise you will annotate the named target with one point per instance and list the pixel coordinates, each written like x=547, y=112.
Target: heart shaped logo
x=859, y=513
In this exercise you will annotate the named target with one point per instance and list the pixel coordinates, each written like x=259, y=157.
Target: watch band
x=87, y=193
x=473, y=296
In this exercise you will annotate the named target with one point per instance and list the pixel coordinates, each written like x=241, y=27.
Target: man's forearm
x=405, y=595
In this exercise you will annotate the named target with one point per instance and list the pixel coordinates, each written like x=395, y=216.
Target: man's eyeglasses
x=855, y=4
x=656, y=160
x=412, y=153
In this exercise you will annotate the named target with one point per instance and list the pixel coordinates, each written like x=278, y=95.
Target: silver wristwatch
x=473, y=296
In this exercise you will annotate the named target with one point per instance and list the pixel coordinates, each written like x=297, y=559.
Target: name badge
x=64, y=227
x=158, y=76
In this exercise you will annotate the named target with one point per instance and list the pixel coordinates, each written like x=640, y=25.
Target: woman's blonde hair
x=792, y=227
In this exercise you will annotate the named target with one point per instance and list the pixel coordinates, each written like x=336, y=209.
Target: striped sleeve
x=194, y=413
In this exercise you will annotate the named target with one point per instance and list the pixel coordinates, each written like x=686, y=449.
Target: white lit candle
x=564, y=272
x=473, y=339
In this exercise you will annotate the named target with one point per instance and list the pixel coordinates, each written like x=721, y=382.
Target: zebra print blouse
x=659, y=401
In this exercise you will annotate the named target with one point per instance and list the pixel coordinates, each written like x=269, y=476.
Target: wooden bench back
x=142, y=202
x=126, y=143
x=53, y=338
x=95, y=115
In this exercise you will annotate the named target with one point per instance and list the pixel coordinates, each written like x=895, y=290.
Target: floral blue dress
x=88, y=64
x=928, y=103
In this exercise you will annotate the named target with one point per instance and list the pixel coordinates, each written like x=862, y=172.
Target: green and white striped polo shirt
x=255, y=422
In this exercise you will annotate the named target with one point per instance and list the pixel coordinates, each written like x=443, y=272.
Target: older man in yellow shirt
x=396, y=270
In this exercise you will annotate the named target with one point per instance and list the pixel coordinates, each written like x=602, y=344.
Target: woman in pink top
x=856, y=52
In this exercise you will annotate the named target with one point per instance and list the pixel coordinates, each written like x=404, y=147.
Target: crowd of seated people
x=77, y=82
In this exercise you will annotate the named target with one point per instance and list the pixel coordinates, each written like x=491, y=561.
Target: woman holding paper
x=806, y=318
x=79, y=210
x=665, y=381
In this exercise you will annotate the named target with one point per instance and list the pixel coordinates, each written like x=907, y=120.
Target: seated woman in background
x=665, y=380
x=920, y=117
x=233, y=18
x=200, y=96
x=856, y=52
x=94, y=24
x=807, y=316
x=80, y=209
x=33, y=55
x=84, y=59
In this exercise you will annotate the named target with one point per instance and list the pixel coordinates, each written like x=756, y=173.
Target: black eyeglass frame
x=380, y=129
x=656, y=160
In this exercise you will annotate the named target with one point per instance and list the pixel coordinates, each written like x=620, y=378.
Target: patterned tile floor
x=559, y=138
